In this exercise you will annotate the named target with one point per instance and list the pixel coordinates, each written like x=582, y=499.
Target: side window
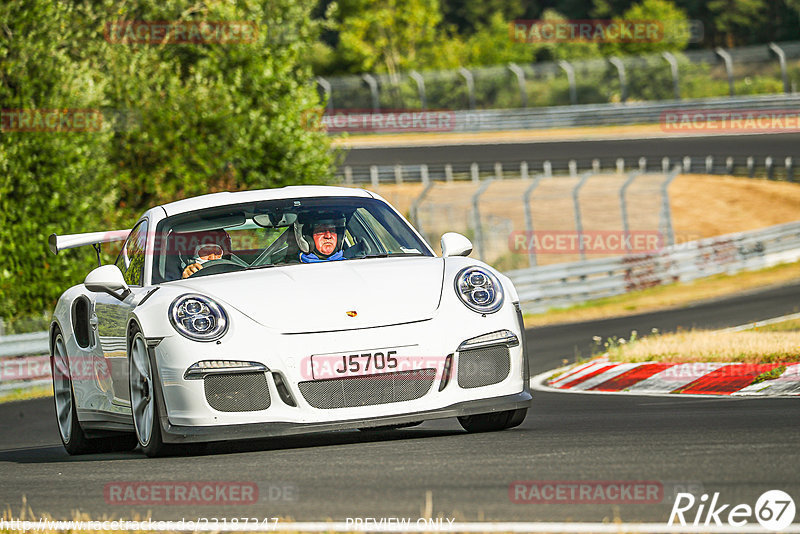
x=131, y=259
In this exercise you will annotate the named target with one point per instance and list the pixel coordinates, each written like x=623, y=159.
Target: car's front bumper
x=187, y=434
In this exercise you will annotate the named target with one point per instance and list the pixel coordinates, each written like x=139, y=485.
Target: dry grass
x=785, y=326
x=456, y=138
x=670, y=296
x=712, y=346
x=34, y=393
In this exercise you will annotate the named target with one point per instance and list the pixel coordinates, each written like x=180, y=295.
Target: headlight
x=198, y=318
x=479, y=289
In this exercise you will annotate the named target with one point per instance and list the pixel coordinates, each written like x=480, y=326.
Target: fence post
x=726, y=57
x=665, y=164
x=398, y=174
x=643, y=164
x=523, y=170
x=469, y=80
x=770, y=169
x=526, y=202
x=414, y=211
x=417, y=77
x=373, y=89
x=620, y=165
x=623, y=79
x=573, y=168
x=751, y=171
x=423, y=174
x=547, y=167
x=477, y=217
x=709, y=164
x=623, y=206
x=673, y=66
x=782, y=59
x=596, y=166
x=666, y=213
x=326, y=87
x=448, y=173
x=573, y=91
x=520, y=74
x=473, y=169
x=729, y=165
x=577, y=207
x=373, y=175
x=687, y=164
x=789, y=169
x=498, y=171
x=348, y=175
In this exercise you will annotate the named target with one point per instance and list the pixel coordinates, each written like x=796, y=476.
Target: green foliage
x=206, y=117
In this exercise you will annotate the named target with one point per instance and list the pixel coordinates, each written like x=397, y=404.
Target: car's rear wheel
x=491, y=422
x=69, y=426
x=144, y=405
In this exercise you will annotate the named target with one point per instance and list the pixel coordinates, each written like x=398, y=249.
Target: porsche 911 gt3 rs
x=284, y=311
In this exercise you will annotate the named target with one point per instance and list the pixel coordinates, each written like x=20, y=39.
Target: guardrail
x=24, y=362
x=738, y=165
x=552, y=286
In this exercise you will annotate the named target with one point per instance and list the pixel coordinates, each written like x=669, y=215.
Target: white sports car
x=282, y=311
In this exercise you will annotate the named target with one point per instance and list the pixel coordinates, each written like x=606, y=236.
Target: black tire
x=154, y=446
x=77, y=442
x=492, y=422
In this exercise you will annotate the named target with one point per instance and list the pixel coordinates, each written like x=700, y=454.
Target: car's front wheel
x=491, y=422
x=144, y=406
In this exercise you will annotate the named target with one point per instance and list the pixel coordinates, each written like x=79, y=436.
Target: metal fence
x=739, y=164
x=552, y=286
x=758, y=69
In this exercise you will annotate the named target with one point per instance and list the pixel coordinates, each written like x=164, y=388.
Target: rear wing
x=63, y=242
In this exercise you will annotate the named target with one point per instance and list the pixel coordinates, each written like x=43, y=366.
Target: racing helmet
x=304, y=230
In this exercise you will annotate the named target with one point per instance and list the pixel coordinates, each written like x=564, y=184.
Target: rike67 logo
x=774, y=510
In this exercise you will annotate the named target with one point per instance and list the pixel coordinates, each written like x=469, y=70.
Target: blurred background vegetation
x=187, y=119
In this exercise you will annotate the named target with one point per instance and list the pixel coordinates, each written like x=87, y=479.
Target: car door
x=112, y=314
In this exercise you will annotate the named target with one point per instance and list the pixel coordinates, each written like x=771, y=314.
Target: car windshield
x=280, y=232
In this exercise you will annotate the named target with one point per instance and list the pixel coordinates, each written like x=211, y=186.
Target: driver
x=207, y=246
x=320, y=237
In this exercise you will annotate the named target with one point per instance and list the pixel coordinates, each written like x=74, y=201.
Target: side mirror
x=454, y=244
x=107, y=279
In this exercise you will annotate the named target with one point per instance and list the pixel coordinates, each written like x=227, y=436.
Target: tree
x=736, y=18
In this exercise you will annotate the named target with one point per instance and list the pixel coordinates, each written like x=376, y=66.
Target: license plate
x=371, y=362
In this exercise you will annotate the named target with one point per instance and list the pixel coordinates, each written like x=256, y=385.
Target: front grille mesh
x=237, y=392
x=367, y=390
x=483, y=367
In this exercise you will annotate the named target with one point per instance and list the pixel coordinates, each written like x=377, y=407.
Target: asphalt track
x=738, y=447
x=779, y=146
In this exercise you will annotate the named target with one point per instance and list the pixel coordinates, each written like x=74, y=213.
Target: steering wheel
x=216, y=267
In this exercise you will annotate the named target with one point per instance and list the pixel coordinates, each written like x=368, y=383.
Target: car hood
x=321, y=297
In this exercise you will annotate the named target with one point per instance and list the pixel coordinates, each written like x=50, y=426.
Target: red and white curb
x=659, y=378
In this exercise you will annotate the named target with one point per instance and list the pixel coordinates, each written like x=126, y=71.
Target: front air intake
x=237, y=392
x=483, y=367
x=367, y=390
